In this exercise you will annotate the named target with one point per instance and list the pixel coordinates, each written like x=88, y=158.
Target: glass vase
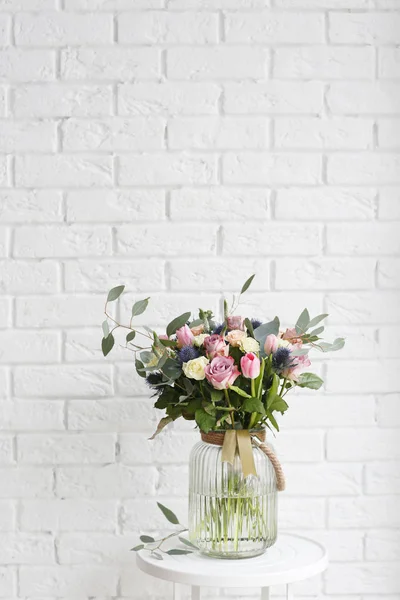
x=231, y=516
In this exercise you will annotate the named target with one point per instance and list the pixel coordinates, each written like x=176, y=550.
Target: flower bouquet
x=232, y=379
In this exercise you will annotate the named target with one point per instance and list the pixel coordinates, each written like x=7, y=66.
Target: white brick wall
x=178, y=146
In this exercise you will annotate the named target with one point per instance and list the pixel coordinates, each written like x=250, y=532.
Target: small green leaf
x=177, y=551
x=336, y=345
x=168, y=343
x=249, y=327
x=247, y=284
x=168, y=514
x=303, y=322
x=139, y=366
x=317, y=320
x=115, y=293
x=272, y=419
x=310, y=380
x=216, y=395
x=239, y=391
x=226, y=310
x=172, y=369
x=177, y=323
x=157, y=555
x=130, y=336
x=107, y=344
x=278, y=404
x=261, y=332
x=205, y=421
x=163, y=423
x=137, y=548
x=273, y=390
x=253, y=405
x=147, y=539
x=187, y=542
x=139, y=307
x=316, y=331
x=105, y=328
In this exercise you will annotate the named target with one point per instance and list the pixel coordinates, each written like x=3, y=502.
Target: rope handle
x=280, y=476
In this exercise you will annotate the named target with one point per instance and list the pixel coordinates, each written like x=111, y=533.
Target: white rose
x=235, y=337
x=194, y=369
x=249, y=344
x=199, y=339
x=283, y=343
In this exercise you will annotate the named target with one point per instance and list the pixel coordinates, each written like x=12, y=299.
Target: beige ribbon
x=241, y=439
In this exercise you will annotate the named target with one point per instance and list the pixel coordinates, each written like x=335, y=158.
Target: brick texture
x=178, y=146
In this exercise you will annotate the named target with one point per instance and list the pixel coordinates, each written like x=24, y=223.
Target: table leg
x=289, y=592
x=195, y=592
x=177, y=591
x=265, y=593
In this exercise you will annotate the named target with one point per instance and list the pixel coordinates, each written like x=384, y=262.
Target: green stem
x=230, y=406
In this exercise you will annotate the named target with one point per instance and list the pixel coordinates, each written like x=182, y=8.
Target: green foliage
x=147, y=539
x=261, y=332
x=249, y=327
x=105, y=328
x=205, y=421
x=247, y=284
x=177, y=551
x=336, y=345
x=163, y=423
x=251, y=405
x=140, y=370
x=168, y=514
x=310, y=380
x=303, y=322
x=130, y=336
x=115, y=293
x=107, y=344
x=139, y=307
x=177, y=323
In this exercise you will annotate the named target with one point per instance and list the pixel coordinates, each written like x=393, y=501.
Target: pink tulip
x=250, y=365
x=184, y=336
x=235, y=322
x=215, y=345
x=221, y=372
x=271, y=344
x=163, y=337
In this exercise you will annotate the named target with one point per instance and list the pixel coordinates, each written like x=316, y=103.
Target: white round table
x=293, y=558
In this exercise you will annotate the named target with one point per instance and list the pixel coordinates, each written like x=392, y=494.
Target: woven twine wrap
x=217, y=439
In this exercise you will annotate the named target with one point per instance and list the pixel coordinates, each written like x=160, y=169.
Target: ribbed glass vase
x=231, y=516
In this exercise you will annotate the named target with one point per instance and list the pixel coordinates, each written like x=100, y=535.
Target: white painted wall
x=178, y=146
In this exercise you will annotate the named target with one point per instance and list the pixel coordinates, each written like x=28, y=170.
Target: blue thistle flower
x=187, y=353
x=153, y=380
x=256, y=323
x=218, y=329
x=282, y=360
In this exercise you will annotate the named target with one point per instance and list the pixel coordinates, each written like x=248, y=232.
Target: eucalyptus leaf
x=115, y=293
x=107, y=344
x=187, y=542
x=157, y=555
x=177, y=323
x=249, y=327
x=226, y=310
x=139, y=307
x=261, y=332
x=130, y=336
x=303, y=322
x=168, y=343
x=253, y=405
x=336, y=345
x=105, y=328
x=310, y=380
x=317, y=320
x=168, y=514
x=172, y=369
x=139, y=366
x=316, y=331
x=137, y=548
x=147, y=539
x=247, y=284
x=299, y=351
x=177, y=551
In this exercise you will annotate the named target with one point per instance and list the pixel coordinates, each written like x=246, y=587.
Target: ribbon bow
x=241, y=439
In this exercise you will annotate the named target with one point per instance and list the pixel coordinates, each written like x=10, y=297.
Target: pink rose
x=250, y=365
x=292, y=336
x=235, y=322
x=184, y=336
x=197, y=330
x=294, y=372
x=235, y=337
x=215, y=345
x=271, y=344
x=221, y=372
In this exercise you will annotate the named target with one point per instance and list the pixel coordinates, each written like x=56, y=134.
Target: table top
x=292, y=558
